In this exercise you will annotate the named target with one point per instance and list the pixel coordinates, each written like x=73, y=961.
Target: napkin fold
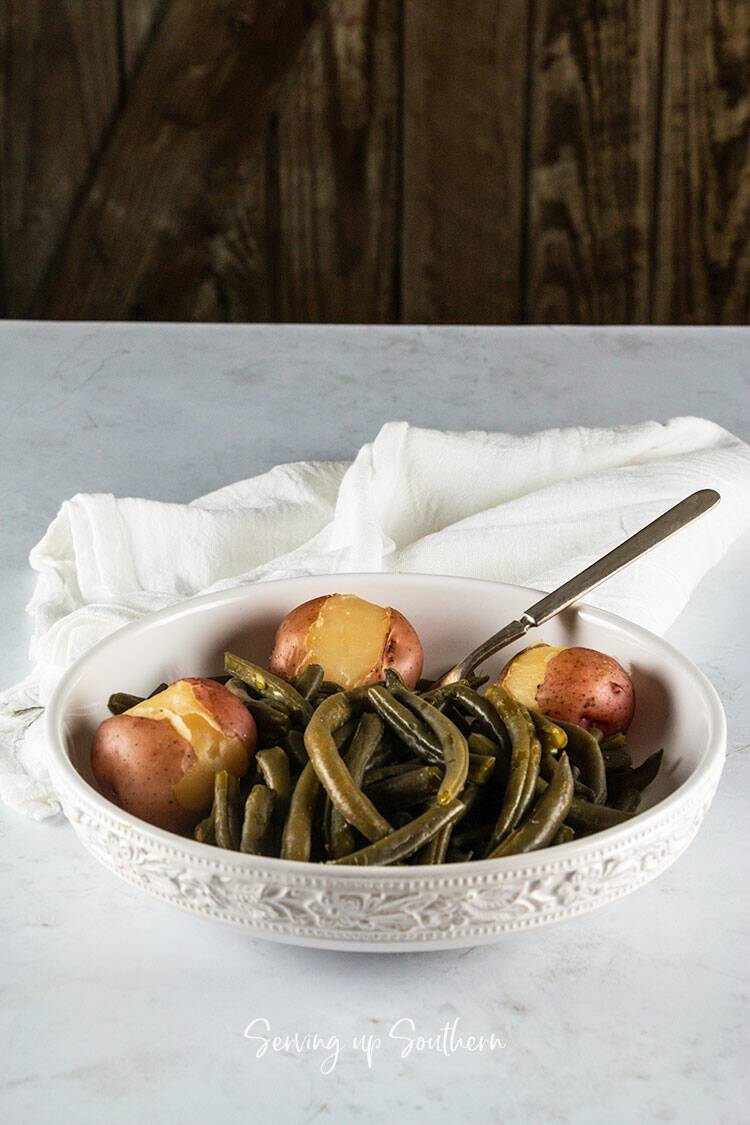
x=533, y=510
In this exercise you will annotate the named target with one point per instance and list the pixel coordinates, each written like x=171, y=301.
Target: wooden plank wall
x=425, y=161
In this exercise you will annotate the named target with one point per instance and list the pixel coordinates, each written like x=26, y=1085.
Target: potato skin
x=584, y=686
x=138, y=760
x=137, y=763
x=402, y=649
x=289, y=653
x=232, y=716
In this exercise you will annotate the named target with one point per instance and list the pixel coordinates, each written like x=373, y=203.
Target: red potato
x=138, y=762
x=289, y=653
x=576, y=685
x=158, y=760
x=352, y=639
x=232, y=716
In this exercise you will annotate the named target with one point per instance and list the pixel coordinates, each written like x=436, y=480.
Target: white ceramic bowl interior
x=384, y=908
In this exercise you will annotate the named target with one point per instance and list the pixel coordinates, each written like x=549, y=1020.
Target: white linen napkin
x=532, y=510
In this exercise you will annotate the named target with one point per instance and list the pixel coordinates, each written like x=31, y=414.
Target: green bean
x=481, y=744
x=564, y=835
x=204, y=832
x=274, y=768
x=547, y=771
x=618, y=758
x=585, y=816
x=347, y=797
x=309, y=680
x=121, y=701
x=585, y=793
x=436, y=849
x=480, y=708
x=516, y=724
x=585, y=750
x=269, y=720
x=459, y=718
x=365, y=742
x=453, y=746
x=296, y=839
x=639, y=777
x=325, y=823
x=389, y=748
x=546, y=817
x=425, y=687
x=532, y=773
x=267, y=684
x=476, y=705
x=238, y=689
x=295, y=744
x=551, y=735
x=328, y=687
x=437, y=696
x=469, y=837
x=404, y=790
x=548, y=765
x=404, y=841
x=613, y=742
x=627, y=800
x=481, y=768
x=256, y=825
x=422, y=757
x=391, y=770
x=470, y=795
x=226, y=810
x=343, y=733
x=411, y=732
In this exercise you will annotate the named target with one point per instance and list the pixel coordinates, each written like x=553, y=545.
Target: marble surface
x=117, y=1009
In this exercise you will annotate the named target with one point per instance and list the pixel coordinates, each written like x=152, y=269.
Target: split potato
x=576, y=685
x=158, y=759
x=353, y=640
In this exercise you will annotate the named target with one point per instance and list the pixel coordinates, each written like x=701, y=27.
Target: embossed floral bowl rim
x=388, y=909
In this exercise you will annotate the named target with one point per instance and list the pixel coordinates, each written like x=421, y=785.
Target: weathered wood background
x=487, y=161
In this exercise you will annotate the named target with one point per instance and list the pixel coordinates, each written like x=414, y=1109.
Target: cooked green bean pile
x=384, y=775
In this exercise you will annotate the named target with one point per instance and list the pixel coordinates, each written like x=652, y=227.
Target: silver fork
x=571, y=591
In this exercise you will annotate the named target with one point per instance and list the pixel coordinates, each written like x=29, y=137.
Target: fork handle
x=551, y=604
x=655, y=532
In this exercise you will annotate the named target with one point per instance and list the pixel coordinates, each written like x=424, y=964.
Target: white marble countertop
x=118, y=1009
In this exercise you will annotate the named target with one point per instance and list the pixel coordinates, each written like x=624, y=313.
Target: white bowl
x=447, y=906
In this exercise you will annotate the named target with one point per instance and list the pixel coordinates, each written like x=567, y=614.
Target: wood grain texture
x=703, y=249
x=137, y=18
x=59, y=91
x=333, y=168
x=187, y=139
x=591, y=159
x=463, y=160
x=466, y=161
